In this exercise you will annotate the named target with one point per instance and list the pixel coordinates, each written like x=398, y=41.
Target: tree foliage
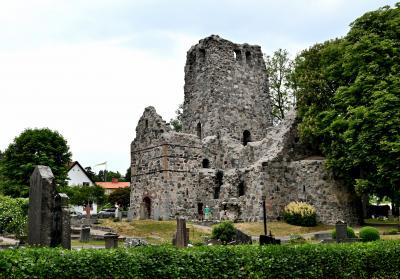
x=349, y=102
x=33, y=147
x=13, y=215
x=83, y=195
x=128, y=175
x=176, y=123
x=121, y=197
x=279, y=69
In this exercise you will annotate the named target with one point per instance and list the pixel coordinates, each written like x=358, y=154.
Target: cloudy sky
x=88, y=68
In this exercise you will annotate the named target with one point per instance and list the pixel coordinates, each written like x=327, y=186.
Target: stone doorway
x=145, y=208
x=246, y=137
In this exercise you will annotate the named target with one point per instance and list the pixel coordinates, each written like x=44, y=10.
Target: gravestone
x=341, y=231
x=111, y=240
x=85, y=234
x=181, y=235
x=61, y=221
x=48, y=213
x=242, y=238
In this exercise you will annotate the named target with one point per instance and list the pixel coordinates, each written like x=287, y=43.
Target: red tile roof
x=113, y=185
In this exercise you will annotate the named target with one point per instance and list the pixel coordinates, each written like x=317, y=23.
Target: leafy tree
x=92, y=175
x=33, y=147
x=83, y=195
x=108, y=175
x=121, y=197
x=279, y=68
x=349, y=102
x=176, y=123
x=128, y=175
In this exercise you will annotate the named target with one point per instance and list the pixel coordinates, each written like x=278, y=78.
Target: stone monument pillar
x=49, y=221
x=41, y=204
x=181, y=236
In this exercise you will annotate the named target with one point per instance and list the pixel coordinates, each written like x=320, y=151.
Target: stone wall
x=226, y=90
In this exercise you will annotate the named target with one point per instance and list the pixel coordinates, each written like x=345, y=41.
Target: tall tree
x=349, y=102
x=83, y=195
x=34, y=147
x=92, y=175
x=279, y=68
x=128, y=175
x=121, y=197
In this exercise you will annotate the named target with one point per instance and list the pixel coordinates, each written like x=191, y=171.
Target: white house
x=78, y=176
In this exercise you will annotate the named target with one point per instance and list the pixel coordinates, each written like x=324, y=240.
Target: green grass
x=383, y=222
x=155, y=232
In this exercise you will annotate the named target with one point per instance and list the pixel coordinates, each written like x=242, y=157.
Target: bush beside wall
x=359, y=260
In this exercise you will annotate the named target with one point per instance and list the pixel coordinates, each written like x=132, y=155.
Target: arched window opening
x=205, y=163
x=241, y=189
x=198, y=130
x=304, y=188
x=202, y=53
x=246, y=137
x=237, y=55
x=219, y=180
x=248, y=57
x=146, y=123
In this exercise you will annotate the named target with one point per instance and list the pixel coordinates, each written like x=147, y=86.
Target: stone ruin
x=229, y=154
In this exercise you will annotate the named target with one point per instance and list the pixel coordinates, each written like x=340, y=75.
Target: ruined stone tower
x=229, y=155
x=226, y=90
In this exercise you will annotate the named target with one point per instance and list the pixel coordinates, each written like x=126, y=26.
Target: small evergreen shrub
x=300, y=214
x=349, y=230
x=225, y=232
x=369, y=234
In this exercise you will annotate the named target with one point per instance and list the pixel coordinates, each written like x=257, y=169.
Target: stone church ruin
x=229, y=155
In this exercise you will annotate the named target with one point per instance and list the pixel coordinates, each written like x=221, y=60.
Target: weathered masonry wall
x=226, y=90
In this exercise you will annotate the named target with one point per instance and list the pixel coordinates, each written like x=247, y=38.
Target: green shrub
x=369, y=234
x=358, y=260
x=225, y=232
x=296, y=239
x=392, y=231
x=349, y=230
x=300, y=214
x=13, y=215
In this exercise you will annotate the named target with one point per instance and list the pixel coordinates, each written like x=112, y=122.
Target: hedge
x=359, y=260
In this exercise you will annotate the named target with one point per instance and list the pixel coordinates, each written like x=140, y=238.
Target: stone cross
x=87, y=209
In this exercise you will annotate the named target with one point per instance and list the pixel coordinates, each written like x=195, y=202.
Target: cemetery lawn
x=279, y=228
x=156, y=232
x=159, y=232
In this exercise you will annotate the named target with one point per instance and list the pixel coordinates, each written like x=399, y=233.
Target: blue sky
x=88, y=68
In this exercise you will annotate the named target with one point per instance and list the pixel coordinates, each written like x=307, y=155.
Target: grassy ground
x=279, y=228
x=162, y=231
x=155, y=232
